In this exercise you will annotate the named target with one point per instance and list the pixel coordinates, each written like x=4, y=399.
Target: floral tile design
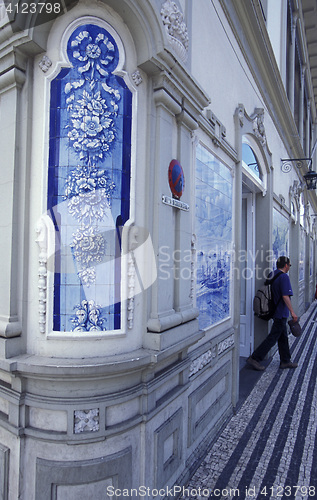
x=89, y=176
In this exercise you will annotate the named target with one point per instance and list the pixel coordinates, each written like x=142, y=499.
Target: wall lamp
x=310, y=177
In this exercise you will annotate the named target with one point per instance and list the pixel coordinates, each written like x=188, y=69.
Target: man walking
x=282, y=291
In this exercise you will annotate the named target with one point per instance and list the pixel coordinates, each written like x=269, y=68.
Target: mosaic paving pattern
x=269, y=448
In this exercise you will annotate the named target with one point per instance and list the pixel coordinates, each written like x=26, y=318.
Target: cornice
x=165, y=67
x=247, y=23
x=207, y=124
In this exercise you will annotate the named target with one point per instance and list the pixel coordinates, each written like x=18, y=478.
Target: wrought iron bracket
x=287, y=163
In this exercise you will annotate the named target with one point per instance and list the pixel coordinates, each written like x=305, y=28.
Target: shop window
x=302, y=210
x=302, y=253
x=214, y=237
x=89, y=181
x=302, y=238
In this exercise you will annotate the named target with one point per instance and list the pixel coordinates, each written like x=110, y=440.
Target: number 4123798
x=288, y=491
x=33, y=8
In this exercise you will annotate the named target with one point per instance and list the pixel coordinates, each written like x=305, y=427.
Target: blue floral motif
x=89, y=192
x=96, y=54
x=90, y=118
x=87, y=276
x=92, y=105
x=87, y=317
x=88, y=246
x=92, y=102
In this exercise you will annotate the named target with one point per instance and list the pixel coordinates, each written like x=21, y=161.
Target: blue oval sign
x=176, y=178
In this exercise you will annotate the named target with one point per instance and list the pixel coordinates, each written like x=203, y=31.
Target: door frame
x=247, y=276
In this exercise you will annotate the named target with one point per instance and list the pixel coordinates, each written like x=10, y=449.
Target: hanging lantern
x=311, y=179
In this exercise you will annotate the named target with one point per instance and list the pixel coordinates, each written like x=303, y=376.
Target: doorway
x=247, y=266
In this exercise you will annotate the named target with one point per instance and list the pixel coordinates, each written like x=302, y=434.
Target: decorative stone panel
x=168, y=448
x=217, y=389
x=258, y=127
x=4, y=472
x=45, y=63
x=60, y=477
x=202, y=361
x=136, y=77
x=86, y=420
x=225, y=344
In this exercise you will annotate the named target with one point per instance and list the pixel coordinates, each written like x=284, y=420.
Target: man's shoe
x=255, y=364
x=288, y=365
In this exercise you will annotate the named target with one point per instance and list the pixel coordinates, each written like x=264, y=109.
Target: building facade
x=154, y=155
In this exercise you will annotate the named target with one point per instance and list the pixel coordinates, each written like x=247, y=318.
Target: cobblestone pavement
x=268, y=450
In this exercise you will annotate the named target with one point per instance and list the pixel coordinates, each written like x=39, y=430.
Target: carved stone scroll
x=176, y=28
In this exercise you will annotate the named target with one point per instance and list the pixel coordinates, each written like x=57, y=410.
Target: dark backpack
x=263, y=303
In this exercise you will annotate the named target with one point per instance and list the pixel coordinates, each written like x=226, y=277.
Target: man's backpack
x=263, y=303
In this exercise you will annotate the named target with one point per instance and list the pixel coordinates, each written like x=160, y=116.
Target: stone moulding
x=42, y=241
x=257, y=120
x=10, y=327
x=94, y=415
x=132, y=242
x=163, y=323
x=131, y=286
x=253, y=127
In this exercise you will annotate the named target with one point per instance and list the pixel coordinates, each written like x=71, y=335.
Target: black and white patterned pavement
x=268, y=450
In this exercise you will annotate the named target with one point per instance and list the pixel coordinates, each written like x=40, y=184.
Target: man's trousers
x=277, y=334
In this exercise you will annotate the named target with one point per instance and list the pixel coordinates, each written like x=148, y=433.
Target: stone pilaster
x=11, y=83
x=291, y=81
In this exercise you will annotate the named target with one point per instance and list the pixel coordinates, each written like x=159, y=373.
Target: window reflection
x=250, y=161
